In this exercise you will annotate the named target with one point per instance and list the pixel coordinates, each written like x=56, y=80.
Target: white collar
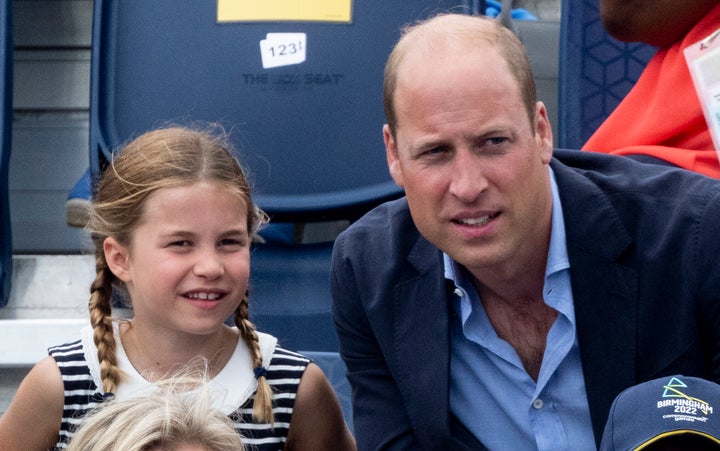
x=231, y=387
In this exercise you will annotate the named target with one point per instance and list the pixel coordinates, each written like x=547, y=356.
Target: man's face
x=473, y=165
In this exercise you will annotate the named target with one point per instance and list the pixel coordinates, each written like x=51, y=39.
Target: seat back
x=6, y=95
x=596, y=71
x=290, y=294
x=308, y=126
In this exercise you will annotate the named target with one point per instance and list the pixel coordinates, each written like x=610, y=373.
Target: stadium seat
x=308, y=127
x=596, y=71
x=6, y=91
x=290, y=294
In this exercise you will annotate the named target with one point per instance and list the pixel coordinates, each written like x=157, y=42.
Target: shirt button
x=458, y=292
x=537, y=404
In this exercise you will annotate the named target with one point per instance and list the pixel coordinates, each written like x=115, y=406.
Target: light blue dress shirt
x=490, y=391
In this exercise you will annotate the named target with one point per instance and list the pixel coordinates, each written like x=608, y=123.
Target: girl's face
x=187, y=268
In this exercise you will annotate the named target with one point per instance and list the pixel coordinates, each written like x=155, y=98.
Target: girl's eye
x=181, y=243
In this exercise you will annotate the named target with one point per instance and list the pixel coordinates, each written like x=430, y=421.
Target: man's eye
x=497, y=140
x=231, y=242
x=433, y=152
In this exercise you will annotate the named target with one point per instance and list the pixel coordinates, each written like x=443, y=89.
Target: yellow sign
x=284, y=10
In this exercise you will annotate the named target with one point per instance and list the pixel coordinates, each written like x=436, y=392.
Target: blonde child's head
x=167, y=419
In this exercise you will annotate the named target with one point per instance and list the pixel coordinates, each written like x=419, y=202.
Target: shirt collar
x=557, y=252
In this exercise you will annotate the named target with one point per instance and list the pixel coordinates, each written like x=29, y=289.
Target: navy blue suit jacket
x=644, y=245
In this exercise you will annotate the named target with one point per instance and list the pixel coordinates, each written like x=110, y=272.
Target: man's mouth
x=478, y=221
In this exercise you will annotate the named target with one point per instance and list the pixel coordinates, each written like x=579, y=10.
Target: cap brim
x=659, y=437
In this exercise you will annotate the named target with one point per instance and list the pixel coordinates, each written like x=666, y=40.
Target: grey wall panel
x=542, y=41
x=51, y=80
x=50, y=128
x=547, y=93
x=38, y=224
x=52, y=24
x=10, y=378
x=49, y=152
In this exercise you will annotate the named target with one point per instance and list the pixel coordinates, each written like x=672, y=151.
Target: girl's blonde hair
x=165, y=419
x=163, y=158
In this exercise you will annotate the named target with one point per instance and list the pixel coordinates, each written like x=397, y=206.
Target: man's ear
x=543, y=132
x=392, y=155
x=117, y=257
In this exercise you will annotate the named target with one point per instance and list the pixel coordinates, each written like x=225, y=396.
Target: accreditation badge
x=703, y=60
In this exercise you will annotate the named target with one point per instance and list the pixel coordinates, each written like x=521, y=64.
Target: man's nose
x=467, y=179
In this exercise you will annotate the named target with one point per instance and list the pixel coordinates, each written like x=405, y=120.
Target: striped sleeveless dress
x=83, y=390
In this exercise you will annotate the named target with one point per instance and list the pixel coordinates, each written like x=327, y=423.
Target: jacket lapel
x=422, y=346
x=605, y=292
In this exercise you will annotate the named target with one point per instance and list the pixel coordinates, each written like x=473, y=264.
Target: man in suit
x=514, y=291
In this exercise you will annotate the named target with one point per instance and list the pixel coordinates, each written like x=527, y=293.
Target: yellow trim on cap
x=675, y=432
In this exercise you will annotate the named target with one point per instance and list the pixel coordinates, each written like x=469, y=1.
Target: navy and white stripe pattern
x=81, y=392
x=284, y=373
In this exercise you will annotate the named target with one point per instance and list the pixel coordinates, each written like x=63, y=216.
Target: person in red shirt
x=661, y=117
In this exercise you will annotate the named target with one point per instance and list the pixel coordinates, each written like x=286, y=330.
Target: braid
x=101, y=321
x=262, y=407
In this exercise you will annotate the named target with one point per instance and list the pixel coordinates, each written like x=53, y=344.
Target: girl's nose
x=208, y=265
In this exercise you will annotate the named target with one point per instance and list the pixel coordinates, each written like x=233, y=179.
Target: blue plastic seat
x=596, y=71
x=290, y=295
x=6, y=93
x=309, y=132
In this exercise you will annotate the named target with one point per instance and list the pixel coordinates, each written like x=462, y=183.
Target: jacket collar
x=422, y=345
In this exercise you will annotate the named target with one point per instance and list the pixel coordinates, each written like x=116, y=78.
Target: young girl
x=172, y=224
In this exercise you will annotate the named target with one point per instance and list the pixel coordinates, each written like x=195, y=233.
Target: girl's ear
x=117, y=257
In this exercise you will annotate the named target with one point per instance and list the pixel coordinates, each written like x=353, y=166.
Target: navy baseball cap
x=670, y=409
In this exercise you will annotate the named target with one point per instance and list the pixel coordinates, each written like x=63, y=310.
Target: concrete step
x=47, y=306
